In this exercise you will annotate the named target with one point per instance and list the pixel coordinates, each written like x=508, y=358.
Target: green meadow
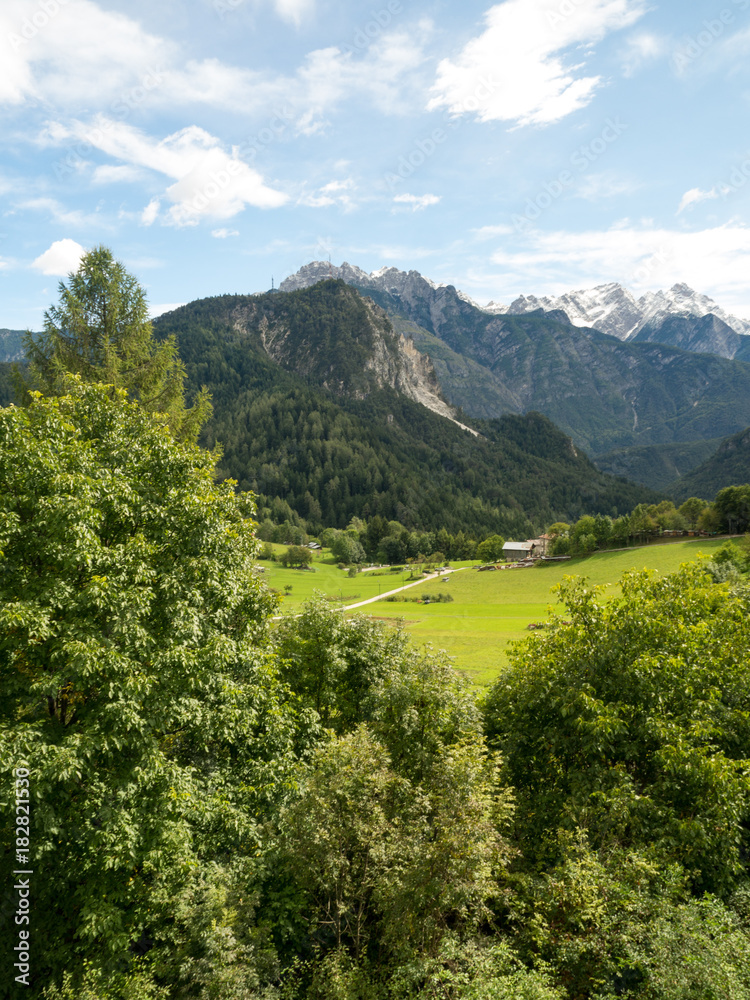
x=326, y=578
x=489, y=610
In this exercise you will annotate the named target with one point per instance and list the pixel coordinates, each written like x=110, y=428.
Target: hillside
x=315, y=404
x=657, y=465
x=728, y=465
x=11, y=345
x=636, y=393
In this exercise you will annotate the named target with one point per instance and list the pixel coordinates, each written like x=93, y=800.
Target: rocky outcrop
x=384, y=358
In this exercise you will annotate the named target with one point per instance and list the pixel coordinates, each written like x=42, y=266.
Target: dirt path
x=432, y=576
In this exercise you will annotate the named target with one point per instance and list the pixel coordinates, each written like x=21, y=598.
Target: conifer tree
x=100, y=330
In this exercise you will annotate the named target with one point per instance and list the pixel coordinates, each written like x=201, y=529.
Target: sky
x=522, y=147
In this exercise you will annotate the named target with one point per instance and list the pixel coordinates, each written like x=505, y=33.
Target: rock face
x=321, y=270
x=704, y=335
x=354, y=352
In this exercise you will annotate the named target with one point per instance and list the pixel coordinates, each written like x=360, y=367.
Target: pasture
x=489, y=610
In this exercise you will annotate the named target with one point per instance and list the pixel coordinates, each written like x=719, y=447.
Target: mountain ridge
x=362, y=446
x=637, y=393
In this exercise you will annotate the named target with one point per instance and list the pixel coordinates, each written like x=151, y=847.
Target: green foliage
x=335, y=664
x=101, y=332
x=133, y=677
x=346, y=548
x=619, y=923
x=491, y=549
x=375, y=853
x=632, y=723
x=95, y=985
x=732, y=504
x=691, y=510
x=296, y=555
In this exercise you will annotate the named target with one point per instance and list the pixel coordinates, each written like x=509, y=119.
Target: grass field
x=332, y=582
x=489, y=610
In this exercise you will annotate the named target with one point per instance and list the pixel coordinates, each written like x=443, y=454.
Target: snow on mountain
x=614, y=310
x=609, y=308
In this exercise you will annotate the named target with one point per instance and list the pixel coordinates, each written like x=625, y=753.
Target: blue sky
x=529, y=146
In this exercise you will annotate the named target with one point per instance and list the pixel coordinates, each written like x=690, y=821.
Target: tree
x=375, y=852
x=491, y=549
x=296, y=555
x=633, y=722
x=691, y=510
x=733, y=506
x=100, y=331
x=347, y=549
x=134, y=682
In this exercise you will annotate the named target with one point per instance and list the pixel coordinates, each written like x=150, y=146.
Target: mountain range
x=679, y=317
x=649, y=387
x=328, y=412
x=609, y=394
x=608, y=308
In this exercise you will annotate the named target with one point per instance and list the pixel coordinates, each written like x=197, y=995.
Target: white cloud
x=209, y=182
x=150, y=213
x=294, y=10
x=223, y=234
x=417, y=201
x=489, y=232
x=642, y=256
x=85, y=57
x=75, y=52
x=61, y=215
x=694, y=196
x=640, y=49
x=62, y=257
x=333, y=193
x=514, y=71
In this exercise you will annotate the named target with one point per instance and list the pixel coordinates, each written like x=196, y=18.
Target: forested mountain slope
x=315, y=404
x=728, y=466
x=635, y=394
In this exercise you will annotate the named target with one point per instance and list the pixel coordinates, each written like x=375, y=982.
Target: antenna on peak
x=330, y=268
x=272, y=286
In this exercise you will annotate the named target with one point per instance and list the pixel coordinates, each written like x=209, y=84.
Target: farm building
x=517, y=550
